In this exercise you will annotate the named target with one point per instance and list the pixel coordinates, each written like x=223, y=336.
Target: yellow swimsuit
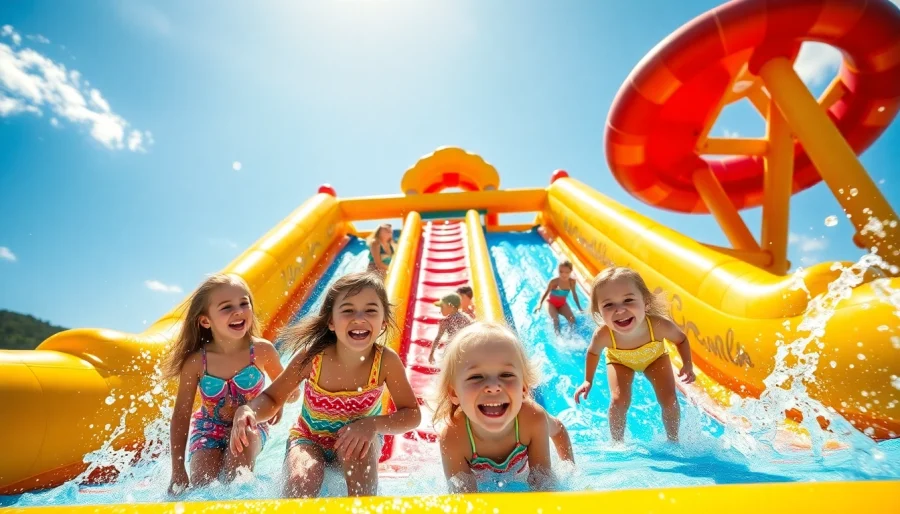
x=636, y=358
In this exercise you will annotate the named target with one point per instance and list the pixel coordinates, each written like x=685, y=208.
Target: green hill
x=22, y=331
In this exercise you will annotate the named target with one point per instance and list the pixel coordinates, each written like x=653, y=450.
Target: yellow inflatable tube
x=77, y=387
x=733, y=311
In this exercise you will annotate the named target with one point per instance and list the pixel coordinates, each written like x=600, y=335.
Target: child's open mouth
x=237, y=325
x=624, y=323
x=493, y=410
x=359, y=335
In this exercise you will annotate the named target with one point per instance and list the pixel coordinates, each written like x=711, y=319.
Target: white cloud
x=34, y=81
x=817, y=62
x=38, y=38
x=54, y=122
x=10, y=106
x=808, y=246
x=222, y=242
x=236, y=165
x=8, y=31
x=729, y=133
x=156, y=285
x=139, y=141
x=6, y=254
x=98, y=101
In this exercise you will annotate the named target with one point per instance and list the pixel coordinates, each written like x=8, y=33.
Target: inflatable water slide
x=83, y=388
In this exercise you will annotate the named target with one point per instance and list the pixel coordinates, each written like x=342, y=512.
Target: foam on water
x=708, y=453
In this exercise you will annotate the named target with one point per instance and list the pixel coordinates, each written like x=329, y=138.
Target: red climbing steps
x=443, y=266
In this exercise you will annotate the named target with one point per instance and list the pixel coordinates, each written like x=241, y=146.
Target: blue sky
x=118, y=188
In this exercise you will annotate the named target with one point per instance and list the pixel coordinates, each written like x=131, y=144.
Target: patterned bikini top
x=220, y=398
x=326, y=412
x=516, y=462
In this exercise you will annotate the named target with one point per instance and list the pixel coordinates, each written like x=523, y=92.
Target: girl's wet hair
x=566, y=264
x=192, y=335
x=377, y=232
x=655, y=303
x=477, y=332
x=312, y=335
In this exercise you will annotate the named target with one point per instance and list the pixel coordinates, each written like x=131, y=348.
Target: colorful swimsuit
x=219, y=399
x=382, y=254
x=326, y=412
x=636, y=358
x=558, y=297
x=516, y=462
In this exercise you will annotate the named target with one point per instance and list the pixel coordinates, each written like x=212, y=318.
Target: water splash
x=796, y=363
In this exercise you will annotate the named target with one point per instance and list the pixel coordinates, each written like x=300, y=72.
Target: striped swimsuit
x=516, y=462
x=219, y=399
x=326, y=412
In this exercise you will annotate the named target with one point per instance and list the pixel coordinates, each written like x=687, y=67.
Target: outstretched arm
x=268, y=404
x=442, y=327
x=544, y=296
x=573, y=286
x=181, y=421
x=460, y=478
x=669, y=330
x=356, y=438
x=272, y=365
x=592, y=358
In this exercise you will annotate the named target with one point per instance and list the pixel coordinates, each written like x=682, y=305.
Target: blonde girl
x=493, y=430
x=219, y=352
x=346, y=369
x=634, y=328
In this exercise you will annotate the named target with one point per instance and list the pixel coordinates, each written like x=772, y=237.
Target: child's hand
x=277, y=417
x=355, y=439
x=244, y=424
x=180, y=481
x=686, y=374
x=583, y=390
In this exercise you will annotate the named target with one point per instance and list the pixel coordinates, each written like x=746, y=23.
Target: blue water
x=147, y=481
x=524, y=265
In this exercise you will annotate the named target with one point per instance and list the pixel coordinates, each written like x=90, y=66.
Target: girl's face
x=621, y=305
x=358, y=320
x=488, y=385
x=384, y=234
x=229, y=313
x=564, y=273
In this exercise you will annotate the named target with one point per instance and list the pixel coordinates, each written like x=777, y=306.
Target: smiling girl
x=219, y=339
x=634, y=329
x=495, y=431
x=346, y=371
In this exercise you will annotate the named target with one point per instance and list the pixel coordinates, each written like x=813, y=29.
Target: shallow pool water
x=708, y=453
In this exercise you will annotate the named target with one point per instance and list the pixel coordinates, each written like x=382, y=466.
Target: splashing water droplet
x=854, y=191
x=833, y=364
x=860, y=356
x=110, y=400
x=831, y=221
x=359, y=389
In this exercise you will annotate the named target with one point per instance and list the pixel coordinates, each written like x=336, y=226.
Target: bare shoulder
x=666, y=328
x=193, y=365
x=554, y=282
x=390, y=358
x=264, y=347
x=600, y=338
x=453, y=435
x=532, y=420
